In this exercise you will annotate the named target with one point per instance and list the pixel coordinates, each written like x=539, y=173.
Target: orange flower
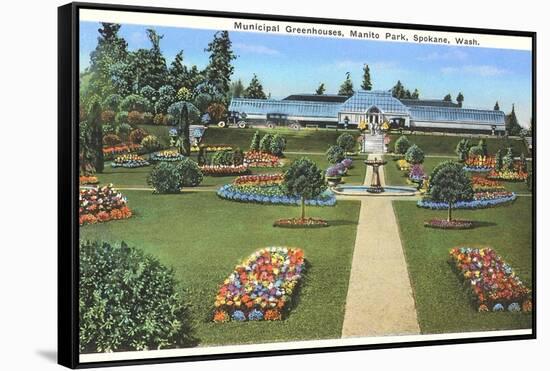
x=272, y=315
x=221, y=316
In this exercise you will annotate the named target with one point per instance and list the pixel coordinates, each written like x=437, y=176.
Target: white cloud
x=355, y=66
x=453, y=54
x=477, y=70
x=255, y=49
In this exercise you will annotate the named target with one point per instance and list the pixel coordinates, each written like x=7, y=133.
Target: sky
x=297, y=64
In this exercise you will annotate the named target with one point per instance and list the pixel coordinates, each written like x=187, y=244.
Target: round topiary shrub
x=135, y=118
x=346, y=141
x=414, y=155
x=150, y=143
x=121, y=117
x=402, y=144
x=111, y=140
x=190, y=172
x=165, y=177
x=128, y=301
x=277, y=145
x=137, y=136
x=335, y=154
x=224, y=158
x=124, y=129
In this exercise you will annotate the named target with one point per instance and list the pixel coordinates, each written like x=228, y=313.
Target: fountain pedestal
x=375, y=186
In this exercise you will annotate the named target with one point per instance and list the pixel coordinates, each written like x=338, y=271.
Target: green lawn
x=203, y=237
x=446, y=145
x=442, y=303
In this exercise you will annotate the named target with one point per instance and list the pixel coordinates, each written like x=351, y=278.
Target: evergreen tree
x=96, y=134
x=185, y=114
x=462, y=149
x=366, y=85
x=512, y=124
x=483, y=145
x=508, y=160
x=347, y=86
x=157, y=72
x=321, y=89
x=415, y=94
x=398, y=90
x=499, y=161
x=460, y=99
x=497, y=107
x=255, y=143
x=447, y=98
x=255, y=89
x=219, y=69
x=265, y=143
x=236, y=89
x=177, y=73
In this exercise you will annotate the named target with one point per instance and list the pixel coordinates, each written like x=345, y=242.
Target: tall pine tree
x=347, y=86
x=320, y=89
x=366, y=85
x=448, y=98
x=512, y=124
x=177, y=73
x=497, y=107
x=460, y=99
x=236, y=89
x=255, y=89
x=219, y=69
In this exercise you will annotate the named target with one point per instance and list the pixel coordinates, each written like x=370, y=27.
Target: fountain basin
x=368, y=191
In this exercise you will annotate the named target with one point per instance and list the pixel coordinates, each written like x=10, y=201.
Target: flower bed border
x=472, y=204
x=222, y=170
x=295, y=223
x=456, y=224
x=225, y=193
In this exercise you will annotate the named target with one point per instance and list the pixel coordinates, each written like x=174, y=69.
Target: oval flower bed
x=224, y=170
x=481, y=184
x=511, y=176
x=481, y=200
x=301, y=223
x=479, y=163
x=261, y=179
x=261, y=159
x=271, y=194
x=167, y=155
x=129, y=161
x=446, y=224
x=110, y=152
x=261, y=287
x=102, y=204
x=492, y=282
x=88, y=180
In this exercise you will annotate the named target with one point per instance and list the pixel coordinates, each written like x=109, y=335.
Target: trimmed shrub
x=335, y=154
x=190, y=172
x=148, y=118
x=165, y=177
x=137, y=136
x=111, y=140
x=265, y=143
x=402, y=144
x=121, y=117
x=128, y=301
x=150, y=143
x=108, y=117
x=277, y=145
x=238, y=157
x=414, y=155
x=158, y=119
x=112, y=102
x=346, y=141
x=224, y=158
x=476, y=151
x=255, y=142
x=135, y=118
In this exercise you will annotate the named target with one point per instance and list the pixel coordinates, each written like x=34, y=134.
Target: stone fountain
x=375, y=186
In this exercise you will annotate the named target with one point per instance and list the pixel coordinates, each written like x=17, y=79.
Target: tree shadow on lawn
x=334, y=223
x=482, y=224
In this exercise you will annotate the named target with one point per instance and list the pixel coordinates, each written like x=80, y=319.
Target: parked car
x=234, y=118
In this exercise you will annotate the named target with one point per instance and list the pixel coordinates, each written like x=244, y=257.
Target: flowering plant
x=130, y=161
x=493, y=283
x=110, y=152
x=481, y=184
x=84, y=180
x=403, y=165
x=224, y=170
x=216, y=147
x=101, y=204
x=301, y=223
x=416, y=173
x=449, y=224
x=347, y=162
x=273, y=194
x=333, y=172
x=260, y=179
x=261, y=287
x=261, y=159
x=479, y=163
x=481, y=200
x=167, y=155
x=514, y=176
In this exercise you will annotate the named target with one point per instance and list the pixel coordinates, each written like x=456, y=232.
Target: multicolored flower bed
x=481, y=184
x=261, y=179
x=224, y=170
x=446, y=224
x=216, y=147
x=511, y=176
x=273, y=194
x=403, y=165
x=167, y=155
x=111, y=152
x=88, y=180
x=301, y=223
x=492, y=282
x=479, y=163
x=481, y=200
x=102, y=204
x=261, y=287
x=416, y=173
x=261, y=159
x=129, y=161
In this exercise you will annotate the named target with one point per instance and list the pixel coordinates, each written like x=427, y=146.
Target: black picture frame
x=68, y=228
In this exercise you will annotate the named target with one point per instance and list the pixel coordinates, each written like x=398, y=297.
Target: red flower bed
x=482, y=184
x=301, y=223
x=445, y=224
x=261, y=159
x=221, y=170
x=84, y=180
x=511, y=176
x=121, y=149
x=493, y=283
x=480, y=162
x=262, y=179
x=102, y=204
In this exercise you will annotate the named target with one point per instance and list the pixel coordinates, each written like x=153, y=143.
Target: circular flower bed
x=261, y=287
x=261, y=179
x=271, y=194
x=479, y=163
x=493, y=283
x=224, y=170
x=168, y=155
x=301, y=223
x=261, y=159
x=129, y=161
x=446, y=224
x=481, y=200
x=102, y=204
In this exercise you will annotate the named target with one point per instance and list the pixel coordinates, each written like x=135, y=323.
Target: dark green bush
x=128, y=301
x=222, y=158
x=277, y=145
x=414, y=155
x=346, y=141
x=265, y=143
x=402, y=144
x=476, y=151
x=165, y=177
x=191, y=174
x=238, y=157
x=335, y=154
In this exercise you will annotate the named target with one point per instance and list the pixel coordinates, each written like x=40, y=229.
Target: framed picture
x=241, y=185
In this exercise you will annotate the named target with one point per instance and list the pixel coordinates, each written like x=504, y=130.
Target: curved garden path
x=380, y=299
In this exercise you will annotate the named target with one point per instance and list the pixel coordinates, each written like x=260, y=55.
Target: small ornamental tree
x=414, y=155
x=523, y=162
x=190, y=172
x=483, y=145
x=499, y=161
x=165, y=177
x=475, y=151
x=277, y=145
x=255, y=142
x=462, y=149
x=346, y=141
x=305, y=180
x=216, y=112
x=265, y=143
x=451, y=184
x=335, y=154
x=128, y=301
x=508, y=160
x=402, y=144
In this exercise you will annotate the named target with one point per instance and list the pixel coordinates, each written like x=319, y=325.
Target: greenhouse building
x=369, y=107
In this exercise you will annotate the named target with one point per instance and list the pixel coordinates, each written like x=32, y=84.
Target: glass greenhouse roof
x=287, y=107
x=424, y=113
x=362, y=100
